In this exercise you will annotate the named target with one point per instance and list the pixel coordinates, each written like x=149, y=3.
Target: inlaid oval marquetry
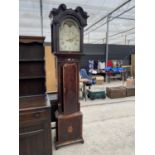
x=70, y=129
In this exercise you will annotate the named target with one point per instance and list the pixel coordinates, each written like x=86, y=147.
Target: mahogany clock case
x=68, y=116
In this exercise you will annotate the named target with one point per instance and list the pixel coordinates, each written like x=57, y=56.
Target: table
x=128, y=69
x=120, y=74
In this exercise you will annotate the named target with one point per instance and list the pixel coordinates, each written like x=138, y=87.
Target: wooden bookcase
x=31, y=66
x=34, y=108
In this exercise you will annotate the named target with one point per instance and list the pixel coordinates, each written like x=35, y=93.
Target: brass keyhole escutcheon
x=70, y=129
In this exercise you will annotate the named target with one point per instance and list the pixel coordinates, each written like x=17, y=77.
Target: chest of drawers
x=34, y=126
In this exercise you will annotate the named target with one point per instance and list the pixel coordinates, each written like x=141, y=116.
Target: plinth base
x=68, y=129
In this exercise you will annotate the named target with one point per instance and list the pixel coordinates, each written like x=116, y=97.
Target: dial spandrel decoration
x=69, y=36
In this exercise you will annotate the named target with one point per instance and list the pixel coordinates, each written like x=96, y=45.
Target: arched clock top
x=67, y=29
x=60, y=13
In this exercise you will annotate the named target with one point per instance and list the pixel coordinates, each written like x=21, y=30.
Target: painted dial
x=69, y=36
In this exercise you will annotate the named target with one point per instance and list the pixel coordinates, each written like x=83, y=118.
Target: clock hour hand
x=70, y=39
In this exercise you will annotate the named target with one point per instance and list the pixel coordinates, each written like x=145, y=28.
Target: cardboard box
x=130, y=82
x=99, y=80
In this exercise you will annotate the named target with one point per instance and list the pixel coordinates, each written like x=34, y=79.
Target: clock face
x=69, y=36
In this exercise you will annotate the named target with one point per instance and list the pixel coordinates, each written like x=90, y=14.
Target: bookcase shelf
x=31, y=60
x=31, y=77
x=31, y=66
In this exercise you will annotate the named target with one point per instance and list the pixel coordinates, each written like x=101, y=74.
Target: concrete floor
x=108, y=128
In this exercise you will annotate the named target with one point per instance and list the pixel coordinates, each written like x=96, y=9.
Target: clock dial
x=69, y=36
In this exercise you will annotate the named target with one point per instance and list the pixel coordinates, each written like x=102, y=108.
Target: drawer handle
x=30, y=133
x=37, y=115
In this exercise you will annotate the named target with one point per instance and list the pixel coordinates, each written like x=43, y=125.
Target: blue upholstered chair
x=84, y=75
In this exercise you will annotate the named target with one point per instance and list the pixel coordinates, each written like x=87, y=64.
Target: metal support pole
x=112, y=18
x=120, y=6
x=107, y=46
x=125, y=18
x=125, y=39
x=88, y=37
x=41, y=17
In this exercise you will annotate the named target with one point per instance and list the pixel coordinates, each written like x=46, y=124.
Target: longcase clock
x=67, y=44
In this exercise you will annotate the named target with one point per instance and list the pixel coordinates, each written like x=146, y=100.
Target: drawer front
x=27, y=129
x=34, y=115
x=35, y=140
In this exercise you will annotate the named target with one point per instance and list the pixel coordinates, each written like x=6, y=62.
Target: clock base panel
x=68, y=129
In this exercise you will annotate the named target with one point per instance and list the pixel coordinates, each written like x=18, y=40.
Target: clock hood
x=62, y=12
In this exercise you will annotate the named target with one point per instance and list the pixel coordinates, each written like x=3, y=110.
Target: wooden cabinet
x=34, y=109
x=34, y=126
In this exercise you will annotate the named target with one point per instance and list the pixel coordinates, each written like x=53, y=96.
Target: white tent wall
x=30, y=19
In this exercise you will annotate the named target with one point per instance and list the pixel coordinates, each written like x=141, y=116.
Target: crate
x=130, y=91
x=116, y=92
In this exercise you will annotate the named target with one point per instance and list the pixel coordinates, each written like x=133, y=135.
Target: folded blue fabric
x=108, y=69
x=115, y=69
